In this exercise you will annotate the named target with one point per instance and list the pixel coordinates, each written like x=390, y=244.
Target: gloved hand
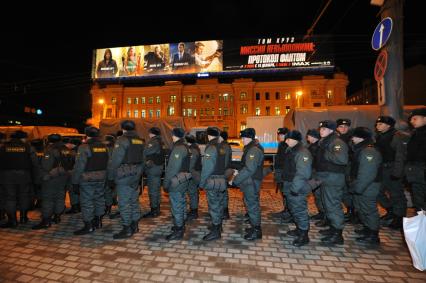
x=394, y=178
x=76, y=188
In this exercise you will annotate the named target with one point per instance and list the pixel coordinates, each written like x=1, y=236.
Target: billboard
x=211, y=56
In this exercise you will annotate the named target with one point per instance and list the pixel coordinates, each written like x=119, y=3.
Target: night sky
x=46, y=55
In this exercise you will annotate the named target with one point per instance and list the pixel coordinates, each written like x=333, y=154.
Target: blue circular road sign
x=381, y=33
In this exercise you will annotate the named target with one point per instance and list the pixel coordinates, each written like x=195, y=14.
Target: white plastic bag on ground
x=415, y=236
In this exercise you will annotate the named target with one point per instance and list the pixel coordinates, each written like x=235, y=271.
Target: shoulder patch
x=369, y=157
x=150, y=145
x=176, y=155
x=251, y=156
x=337, y=147
x=305, y=159
x=137, y=141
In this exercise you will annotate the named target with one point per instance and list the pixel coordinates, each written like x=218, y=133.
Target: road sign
x=381, y=95
x=381, y=64
x=381, y=33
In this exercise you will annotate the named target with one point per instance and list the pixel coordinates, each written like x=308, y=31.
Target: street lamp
x=299, y=94
x=101, y=101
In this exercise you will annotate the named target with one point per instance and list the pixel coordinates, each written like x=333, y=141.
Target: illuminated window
x=143, y=100
x=151, y=100
x=136, y=114
x=151, y=113
x=172, y=98
x=243, y=109
x=171, y=110
x=128, y=114
x=195, y=99
x=225, y=97
x=158, y=113
x=189, y=112
x=266, y=95
x=184, y=99
x=243, y=126
x=220, y=111
x=136, y=100
x=287, y=96
x=257, y=96
x=277, y=110
x=257, y=111
x=113, y=100
x=287, y=109
x=225, y=111
x=329, y=94
x=243, y=95
x=277, y=95
x=183, y=112
x=129, y=100
x=189, y=98
x=195, y=112
x=158, y=99
x=143, y=114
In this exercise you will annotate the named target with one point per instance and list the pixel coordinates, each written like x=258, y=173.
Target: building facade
x=208, y=102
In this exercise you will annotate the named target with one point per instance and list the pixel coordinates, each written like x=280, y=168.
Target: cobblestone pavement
x=56, y=255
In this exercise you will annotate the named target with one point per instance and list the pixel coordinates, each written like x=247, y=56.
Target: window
x=195, y=98
x=225, y=97
x=243, y=109
x=143, y=114
x=129, y=100
x=220, y=111
x=143, y=100
x=113, y=100
x=277, y=110
x=189, y=112
x=225, y=111
x=128, y=114
x=184, y=99
x=266, y=95
x=201, y=112
x=195, y=112
x=158, y=99
x=317, y=104
x=287, y=109
x=158, y=113
x=268, y=110
x=287, y=96
x=257, y=111
x=151, y=100
x=136, y=114
x=136, y=100
x=184, y=112
x=329, y=94
x=243, y=126
x=257, y=96
x=172, y=98
x=189, y=98
x=277, y=95
x=243, y=95
x=108, y=113
x=151, y=113
x=171, y=110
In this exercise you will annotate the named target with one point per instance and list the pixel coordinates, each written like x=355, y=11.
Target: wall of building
x=208, y=102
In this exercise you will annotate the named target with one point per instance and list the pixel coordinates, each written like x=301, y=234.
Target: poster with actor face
x=156, y=59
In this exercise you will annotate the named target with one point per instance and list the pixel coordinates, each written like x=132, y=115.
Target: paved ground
x=55, y=255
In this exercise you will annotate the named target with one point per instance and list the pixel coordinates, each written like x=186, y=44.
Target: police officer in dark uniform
x=416, y=158
x=330, y=169
x=176, y=182
x=38, y=146
x=249, y=179
x=195, y=169
x=223, y=139
x=54, y=178
x=278, y=170
x=71, y=153
x=298, y=170
x=18, y=165
x=89, y=176
x=154, y=154
x=365, y=184
x=2, y=193
x=392, y=144
x=313, y=137
x=125, y=171
x=110, y=192
x=214, y=182
x=344, y=132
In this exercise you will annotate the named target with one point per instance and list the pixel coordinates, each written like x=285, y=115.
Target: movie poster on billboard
x=156, y=59
x=107, y=62
x=131, y=61
x=276, y=53
x=182, y=57
x=208, y=56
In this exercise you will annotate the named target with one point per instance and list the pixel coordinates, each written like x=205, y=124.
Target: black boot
x=192, y=214
x=125, y=233
x=214, y=233
x=371, y=238
x=97, y=222
x=327, y=232
x=73, y=209
x=44, y=224
x=302, y=238
x=226, y=215
x=56, y=218
x=322, y=223
x=23, y=216
x=396, y=223
x=363, y=231
x=87, y=229
x=114, y=215
x=334, y=239
x=177, y=233
x=155, y=212
x=293, y=233
x=135, y=226
x=114, y=201
x=254, y=234
x=11, y=221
